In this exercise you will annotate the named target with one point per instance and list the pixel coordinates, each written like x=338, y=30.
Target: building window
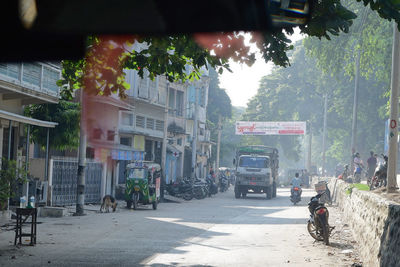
x=97, y=133
x=89, y=153
x=202, y=100
x=127, y=119
x=179, y=141
x=50, y=78
x=201, y=131
x=11, y=70
x=32, y=73
x=179, y=103
x=110, y=135
x=150, y=123
x=159, y=125
x=171, y=101
x=143, y=88
x=140, y=121
x=126, y=141
x=148, y=147
x=153, y=90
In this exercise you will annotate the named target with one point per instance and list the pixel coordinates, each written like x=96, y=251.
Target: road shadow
x=135, y=237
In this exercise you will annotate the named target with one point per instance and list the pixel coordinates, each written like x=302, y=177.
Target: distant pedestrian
x=358, y=166
x=372, y=161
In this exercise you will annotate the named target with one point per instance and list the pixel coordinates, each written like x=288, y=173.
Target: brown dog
x=108, y=201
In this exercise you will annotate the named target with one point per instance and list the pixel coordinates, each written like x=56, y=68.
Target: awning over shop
x=23, y=119
x=118, y=154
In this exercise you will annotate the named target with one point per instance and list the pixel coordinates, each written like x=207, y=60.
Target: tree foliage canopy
x=66, y=113
x=370, y=36
x=219, y=104
x=296, y=93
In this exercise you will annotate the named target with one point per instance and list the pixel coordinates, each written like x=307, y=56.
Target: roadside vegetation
x=361, y=187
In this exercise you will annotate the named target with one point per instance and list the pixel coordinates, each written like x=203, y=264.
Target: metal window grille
x=32, y=73
x=159, y=125
x=50, y=78
x=140, y=121
x=150, y=123
x=10, y=70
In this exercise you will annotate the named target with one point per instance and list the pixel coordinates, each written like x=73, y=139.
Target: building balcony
x=206, y=137
x=33, y=82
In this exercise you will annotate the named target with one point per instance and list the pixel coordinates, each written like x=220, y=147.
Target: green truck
x=256, y=169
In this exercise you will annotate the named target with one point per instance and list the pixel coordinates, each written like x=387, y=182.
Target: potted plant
x=10, y=177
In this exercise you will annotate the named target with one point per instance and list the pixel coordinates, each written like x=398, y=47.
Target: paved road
x=217, y=231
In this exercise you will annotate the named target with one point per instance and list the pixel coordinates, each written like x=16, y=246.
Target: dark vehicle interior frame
x=58, y=29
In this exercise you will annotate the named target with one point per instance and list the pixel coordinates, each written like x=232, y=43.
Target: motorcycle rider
x=296, y=182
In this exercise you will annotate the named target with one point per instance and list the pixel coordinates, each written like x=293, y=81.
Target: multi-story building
x=103, y=140
x=176, y=132
x=142, y=127
x=203, y=143
x=157, y=101
x=22, y=84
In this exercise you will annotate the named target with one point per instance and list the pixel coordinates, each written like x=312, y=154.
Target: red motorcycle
x=318, y=224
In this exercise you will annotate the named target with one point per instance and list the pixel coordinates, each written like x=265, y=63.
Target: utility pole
x=218, y=142
x=309, y=148
x=355, y=107
x=394, y=113
x=164, y=144
x=194, y=139
x=80, y=190
x=28, y=133
x=324, y=133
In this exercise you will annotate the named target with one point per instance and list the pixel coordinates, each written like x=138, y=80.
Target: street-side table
x=23, y=215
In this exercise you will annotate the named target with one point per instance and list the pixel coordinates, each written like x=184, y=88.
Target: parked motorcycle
x=199, y=189
x=295, y=196
x=318, y=224
x=380, y=174
x=183, y=189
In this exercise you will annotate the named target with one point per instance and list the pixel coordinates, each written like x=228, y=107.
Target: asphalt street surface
x=217, y=231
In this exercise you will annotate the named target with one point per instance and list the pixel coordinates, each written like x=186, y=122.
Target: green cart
x=142, y=184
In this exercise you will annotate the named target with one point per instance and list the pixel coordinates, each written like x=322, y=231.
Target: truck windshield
x=254, y=162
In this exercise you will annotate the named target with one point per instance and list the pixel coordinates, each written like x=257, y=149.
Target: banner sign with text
x=270, y=128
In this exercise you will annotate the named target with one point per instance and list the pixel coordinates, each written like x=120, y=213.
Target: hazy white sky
x=242, y=83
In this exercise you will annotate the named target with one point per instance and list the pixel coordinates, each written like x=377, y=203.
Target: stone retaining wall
x=374, y=220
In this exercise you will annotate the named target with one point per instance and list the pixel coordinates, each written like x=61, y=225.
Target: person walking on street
x=372, y=161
